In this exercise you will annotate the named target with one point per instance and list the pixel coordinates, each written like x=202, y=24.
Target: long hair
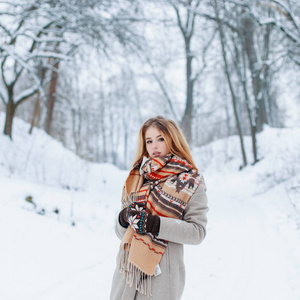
x=173, y=136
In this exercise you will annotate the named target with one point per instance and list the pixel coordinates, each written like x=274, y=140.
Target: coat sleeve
x=192, y=228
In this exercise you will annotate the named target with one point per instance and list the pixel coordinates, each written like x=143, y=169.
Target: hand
x=123, y=217
x=132, y=209
x=136, y=207
x=141, y=221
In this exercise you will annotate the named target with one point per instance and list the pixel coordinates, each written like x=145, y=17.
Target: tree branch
x=287, y=14
x=194, y=17
x=2, y=73
x=179, y=20
x=23, y=65
x=3, y=99
x=161, y=85
x=25, y=95
x=282, y=28
x=5, y=29
x=209, y=17
x=206, y=47
x=39, y=35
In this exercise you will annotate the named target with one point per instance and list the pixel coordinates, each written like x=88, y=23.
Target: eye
x=161, y=139
x=148, y=142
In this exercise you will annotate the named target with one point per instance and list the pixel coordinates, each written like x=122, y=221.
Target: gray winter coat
x=170, y=283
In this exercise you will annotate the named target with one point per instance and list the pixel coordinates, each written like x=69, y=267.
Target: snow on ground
x=252, y=248
x=39, y=158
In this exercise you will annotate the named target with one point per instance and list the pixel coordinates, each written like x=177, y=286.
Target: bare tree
x=22, y=46
x=52, y=93
x=46, y=25
x=284, y=18
x=186, y=22
x=227, y=72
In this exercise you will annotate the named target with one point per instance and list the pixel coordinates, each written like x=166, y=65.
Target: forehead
x=152, y=132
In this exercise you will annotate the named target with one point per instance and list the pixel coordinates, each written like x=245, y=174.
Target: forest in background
x=91, y=72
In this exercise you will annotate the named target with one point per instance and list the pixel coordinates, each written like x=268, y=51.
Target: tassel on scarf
x=127, y=199
x=134, y=275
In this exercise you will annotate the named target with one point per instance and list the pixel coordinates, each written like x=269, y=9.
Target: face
x=155, y=143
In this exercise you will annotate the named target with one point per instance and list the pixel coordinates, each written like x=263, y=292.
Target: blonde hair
x=173, y=136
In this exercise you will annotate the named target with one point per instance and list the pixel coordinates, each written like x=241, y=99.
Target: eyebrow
x=148, y=138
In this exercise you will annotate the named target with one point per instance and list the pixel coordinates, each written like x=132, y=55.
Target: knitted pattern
x=136, y=217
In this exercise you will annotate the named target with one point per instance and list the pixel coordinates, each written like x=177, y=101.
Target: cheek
x=148, y=147
x=166, y=149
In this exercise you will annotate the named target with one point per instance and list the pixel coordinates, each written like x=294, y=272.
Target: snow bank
x=57, y=216
x=39, y=158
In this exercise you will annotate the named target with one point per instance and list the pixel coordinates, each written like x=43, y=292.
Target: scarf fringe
x=132, y=273
x=127, y=199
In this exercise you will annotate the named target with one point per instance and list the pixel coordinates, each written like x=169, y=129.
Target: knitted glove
x=153, y=224
x=133, y=209
x=123, y=217
x=141, y=221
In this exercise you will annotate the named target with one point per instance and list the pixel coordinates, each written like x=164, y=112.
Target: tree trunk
x=51, y=98
x=36, y=116
x=10, y=112
x=103, y=131
x=233, y=97
x=270, y=103
x=187, y=29
x=243, y=78
x=252, y=126
x=186, y=123
x=261, y=113
x=37, y=108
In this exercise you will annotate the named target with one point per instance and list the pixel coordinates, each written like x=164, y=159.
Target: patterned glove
x=123, y=217
x=124, y=213
x=141, y=221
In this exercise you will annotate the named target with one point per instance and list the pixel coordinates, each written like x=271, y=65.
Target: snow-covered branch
x=3, y=98
x=24, y=65
x=44, y=39
x=288, y=13
x=26, y=94
x=271, y=21
x=283, y=9
x=208, y=16
x=5, y=29
x=47, y=55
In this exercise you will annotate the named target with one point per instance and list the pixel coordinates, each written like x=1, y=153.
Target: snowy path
x=247, y=254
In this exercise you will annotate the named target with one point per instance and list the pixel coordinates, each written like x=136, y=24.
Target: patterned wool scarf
x=166, y=184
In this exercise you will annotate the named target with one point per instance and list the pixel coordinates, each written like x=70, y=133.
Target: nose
x=155, y=144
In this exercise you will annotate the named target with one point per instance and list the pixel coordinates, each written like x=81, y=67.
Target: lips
x=156, y=154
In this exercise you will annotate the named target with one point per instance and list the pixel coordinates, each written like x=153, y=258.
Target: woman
x=164, y=206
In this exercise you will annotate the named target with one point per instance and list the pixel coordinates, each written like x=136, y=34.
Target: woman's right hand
x=131, y=211
x=123, y=217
